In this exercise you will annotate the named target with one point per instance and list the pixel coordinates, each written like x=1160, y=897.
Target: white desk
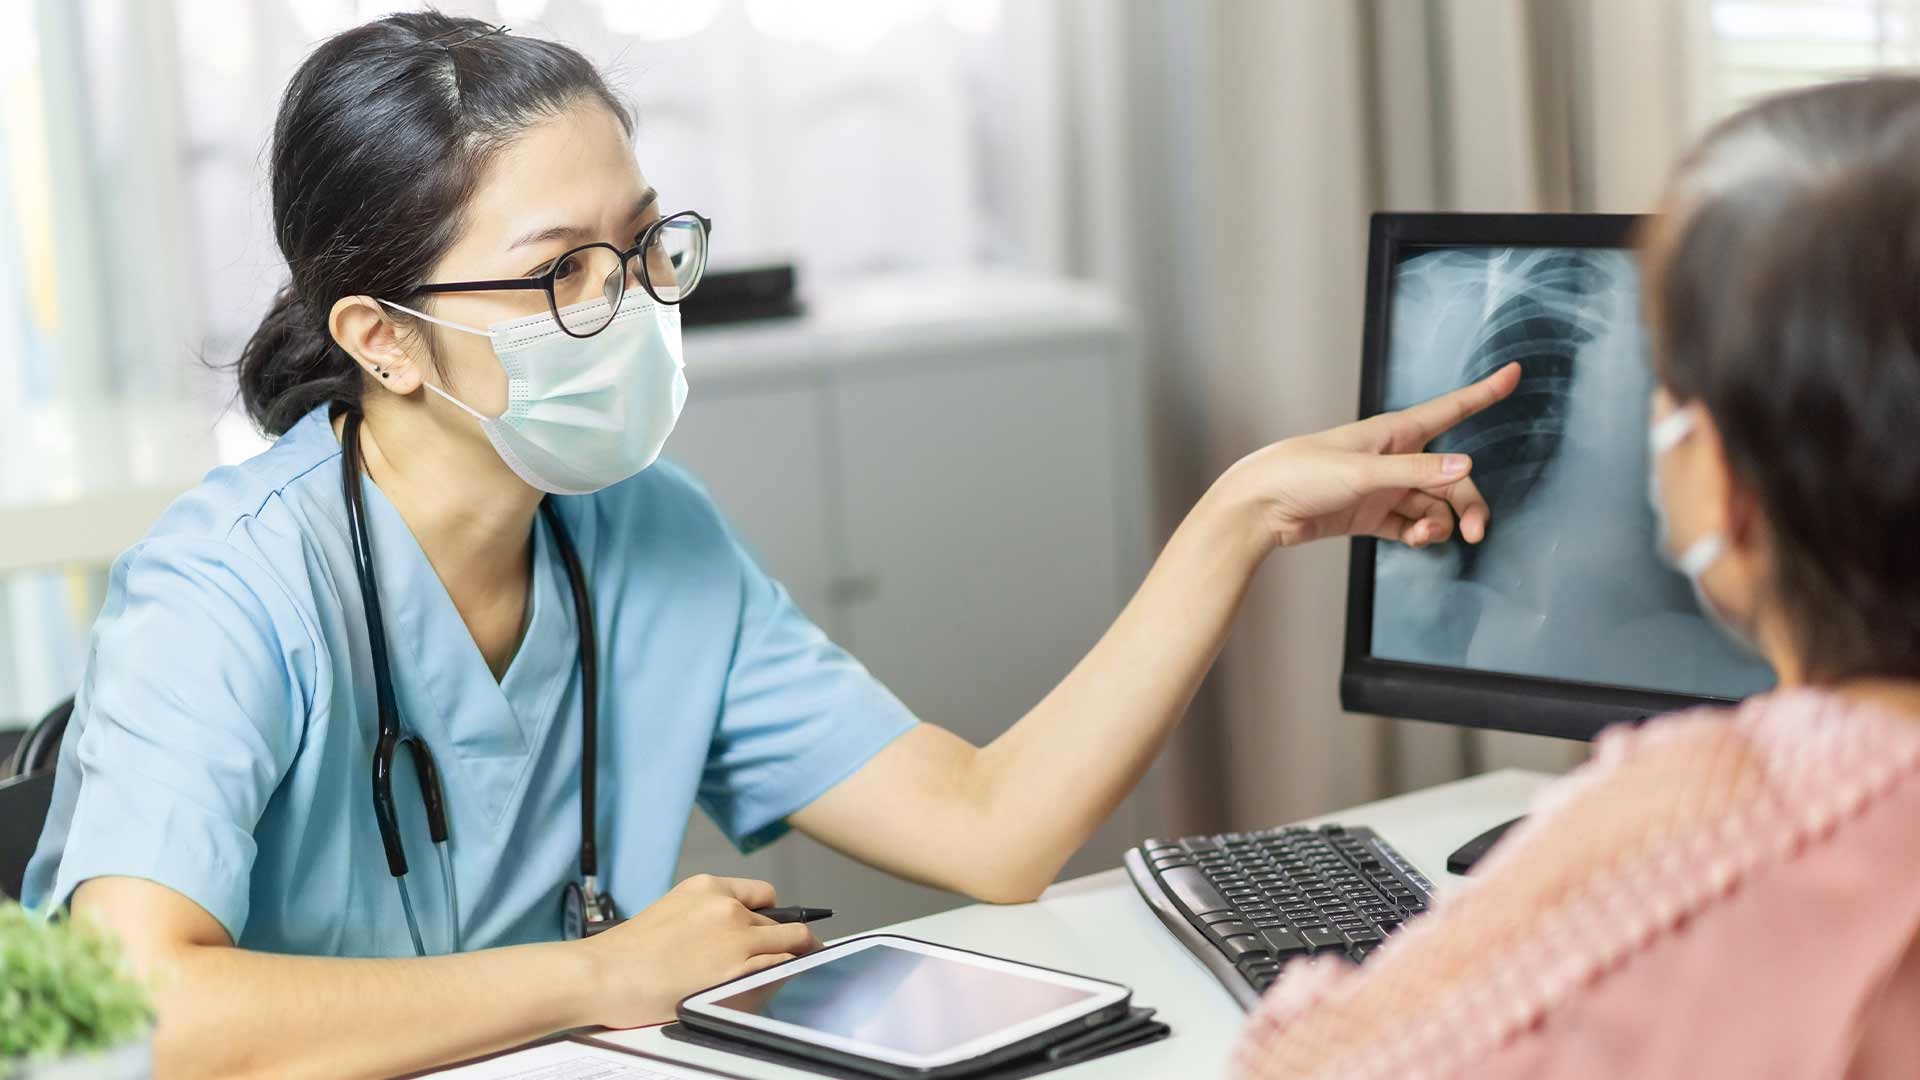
x=1098, y=925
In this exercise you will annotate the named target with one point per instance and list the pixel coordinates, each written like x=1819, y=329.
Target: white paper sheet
x=571, y=1061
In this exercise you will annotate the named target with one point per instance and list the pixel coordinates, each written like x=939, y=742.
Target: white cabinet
x=949, y=476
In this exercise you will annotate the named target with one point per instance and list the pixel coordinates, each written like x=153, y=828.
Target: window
x=1757, y=47
x=752, y=111
x=852, y=137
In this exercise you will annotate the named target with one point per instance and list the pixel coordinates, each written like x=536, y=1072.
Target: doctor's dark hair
x=382, y=137
x=1783, y=291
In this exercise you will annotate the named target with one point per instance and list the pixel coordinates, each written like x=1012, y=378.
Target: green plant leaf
x=64, y=989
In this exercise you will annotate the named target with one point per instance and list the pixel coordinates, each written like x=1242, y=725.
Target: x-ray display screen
x=1566, y=585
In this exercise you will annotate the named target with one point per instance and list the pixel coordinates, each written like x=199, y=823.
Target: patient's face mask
x=583, y=413
x=1694, y=559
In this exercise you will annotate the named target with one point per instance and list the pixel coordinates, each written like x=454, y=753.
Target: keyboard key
x=1197, y=843
x=1283, y=943
x=1251, y=965
x=1261, y=976
x=1360, y=935
x=1268, y=922
x=1243, y=946
x=1359, y=953
x=1192, y=891
x=1221, y=931
x=1320, y=939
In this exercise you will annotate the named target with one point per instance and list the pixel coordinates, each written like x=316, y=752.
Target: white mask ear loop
x=437, y=322
x=1701, y=555
x=461, y=405
x=1671, y=431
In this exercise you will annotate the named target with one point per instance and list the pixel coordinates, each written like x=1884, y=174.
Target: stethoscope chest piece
x=585, y=911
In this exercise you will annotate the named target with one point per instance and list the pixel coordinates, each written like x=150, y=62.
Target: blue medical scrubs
x=223, y=733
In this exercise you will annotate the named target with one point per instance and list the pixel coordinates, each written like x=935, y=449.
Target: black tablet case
x=1137, y=1028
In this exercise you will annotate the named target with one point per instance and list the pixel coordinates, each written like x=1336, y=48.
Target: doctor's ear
x=371, y=335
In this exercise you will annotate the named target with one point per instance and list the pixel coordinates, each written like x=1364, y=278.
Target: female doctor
x=460, y=579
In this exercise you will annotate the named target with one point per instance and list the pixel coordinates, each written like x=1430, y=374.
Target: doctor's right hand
x=702, y=933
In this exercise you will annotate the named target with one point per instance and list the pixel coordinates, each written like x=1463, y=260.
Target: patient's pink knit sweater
x=1715, y=895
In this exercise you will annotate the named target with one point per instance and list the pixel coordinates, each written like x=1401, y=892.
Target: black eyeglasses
x=584, y=287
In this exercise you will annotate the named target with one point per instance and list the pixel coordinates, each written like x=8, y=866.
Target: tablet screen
x=907, y=1002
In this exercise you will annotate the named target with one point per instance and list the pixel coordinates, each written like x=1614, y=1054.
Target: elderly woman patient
x=1737, y=893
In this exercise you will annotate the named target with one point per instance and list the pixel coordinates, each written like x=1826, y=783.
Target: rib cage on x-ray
x=1537, y=309
x=1566, y=584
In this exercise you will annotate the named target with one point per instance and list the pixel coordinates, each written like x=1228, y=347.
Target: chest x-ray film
x=1566, y=585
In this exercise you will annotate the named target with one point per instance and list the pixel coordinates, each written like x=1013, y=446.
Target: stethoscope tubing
x=391, y=736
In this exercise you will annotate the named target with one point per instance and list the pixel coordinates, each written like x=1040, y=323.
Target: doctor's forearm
x=231, y=1012
x=1052, y=778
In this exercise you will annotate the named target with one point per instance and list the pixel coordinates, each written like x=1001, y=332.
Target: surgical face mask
x=583, y=413
x=1695, y=559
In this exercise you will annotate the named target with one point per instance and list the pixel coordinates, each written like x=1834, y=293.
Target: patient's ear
x=1731, y=507
x=1708, y=480
x=374, y=338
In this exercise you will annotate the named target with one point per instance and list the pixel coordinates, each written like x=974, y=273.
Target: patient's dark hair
x=1784, y=295
x=382, y=137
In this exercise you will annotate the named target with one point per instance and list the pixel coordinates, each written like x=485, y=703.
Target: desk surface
x=1098, y=926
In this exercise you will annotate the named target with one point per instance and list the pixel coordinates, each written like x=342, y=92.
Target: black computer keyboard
x=1247, y=904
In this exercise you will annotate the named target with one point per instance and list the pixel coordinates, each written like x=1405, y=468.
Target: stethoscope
x=585, y=910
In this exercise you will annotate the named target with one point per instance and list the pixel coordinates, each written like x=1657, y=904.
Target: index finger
x=1415, y=426
x=750, y=892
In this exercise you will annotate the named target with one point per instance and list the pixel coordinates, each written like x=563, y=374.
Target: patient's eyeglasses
x=585, y=286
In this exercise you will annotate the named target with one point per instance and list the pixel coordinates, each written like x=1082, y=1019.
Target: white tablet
x=911, y=1007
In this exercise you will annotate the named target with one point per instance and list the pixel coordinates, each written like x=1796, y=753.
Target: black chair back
x=23, y=811
x=25, y=798
x=40, y=748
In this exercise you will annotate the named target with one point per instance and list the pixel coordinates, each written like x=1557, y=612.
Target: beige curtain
x=1273, y=127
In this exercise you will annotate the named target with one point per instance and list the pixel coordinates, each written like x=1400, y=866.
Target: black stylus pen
x=795, y=914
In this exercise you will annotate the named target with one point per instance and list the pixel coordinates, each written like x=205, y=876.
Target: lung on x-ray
x=1566, y=585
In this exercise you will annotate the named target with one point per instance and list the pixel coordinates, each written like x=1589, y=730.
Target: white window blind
x=1757, y=47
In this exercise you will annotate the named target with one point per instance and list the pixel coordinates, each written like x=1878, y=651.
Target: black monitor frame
x=1462, y=696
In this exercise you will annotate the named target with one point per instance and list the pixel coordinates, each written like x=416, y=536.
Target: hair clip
x=472, y=36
